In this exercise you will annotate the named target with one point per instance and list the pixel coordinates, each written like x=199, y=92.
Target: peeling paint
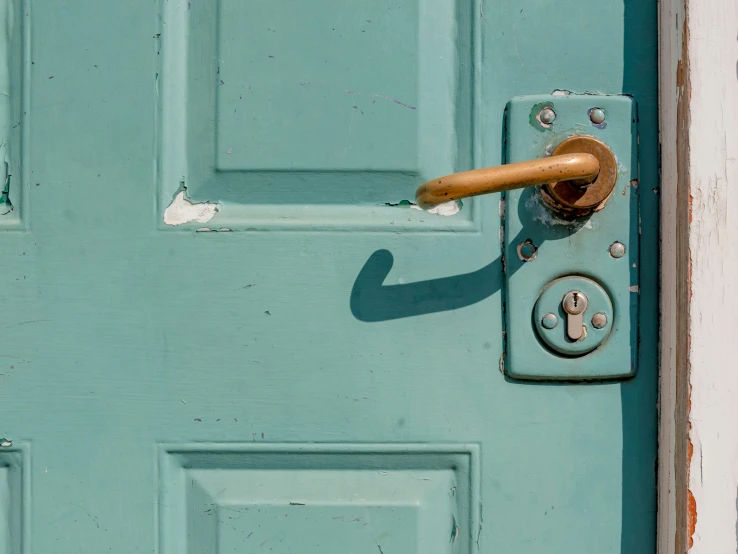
x=400, y=204
x=446, y=209
x=182, y=211
x=633, y=183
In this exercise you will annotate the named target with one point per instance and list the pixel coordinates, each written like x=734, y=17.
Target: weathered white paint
x=709, y=145
x=181, y=211
x=713, y=243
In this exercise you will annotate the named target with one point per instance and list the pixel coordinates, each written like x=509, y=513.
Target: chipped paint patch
x=182, y=211
x=449, y=208
x=535, y=116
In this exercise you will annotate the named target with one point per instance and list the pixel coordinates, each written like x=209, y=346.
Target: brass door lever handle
x=580, y=173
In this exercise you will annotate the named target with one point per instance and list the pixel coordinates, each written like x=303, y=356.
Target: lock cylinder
x=573, y=316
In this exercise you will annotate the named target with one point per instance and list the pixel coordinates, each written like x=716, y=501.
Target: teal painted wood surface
x=336, y=354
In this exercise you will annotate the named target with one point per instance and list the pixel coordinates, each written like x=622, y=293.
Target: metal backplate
x=569, y=245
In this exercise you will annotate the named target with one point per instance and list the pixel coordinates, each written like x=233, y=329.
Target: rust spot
x=691, y=502
x=691, y=517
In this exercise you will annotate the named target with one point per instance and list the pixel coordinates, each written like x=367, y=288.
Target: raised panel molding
x=15, y=73
x=335, y=136
x=14, y=498
x=316, y=498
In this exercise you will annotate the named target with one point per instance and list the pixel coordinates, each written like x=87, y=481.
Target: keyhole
x=574, y=304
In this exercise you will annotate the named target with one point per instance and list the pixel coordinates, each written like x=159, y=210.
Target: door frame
x=698, y=427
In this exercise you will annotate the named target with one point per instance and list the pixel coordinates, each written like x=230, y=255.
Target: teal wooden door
x=225, y=328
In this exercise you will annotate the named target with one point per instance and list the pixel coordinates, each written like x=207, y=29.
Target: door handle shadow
x=371, y=301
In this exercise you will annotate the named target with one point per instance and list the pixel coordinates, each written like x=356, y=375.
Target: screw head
x=599, y=320
x=549, y=321
x=597, y=116
x=617, y=249
x=527, y=251
x=547, y=116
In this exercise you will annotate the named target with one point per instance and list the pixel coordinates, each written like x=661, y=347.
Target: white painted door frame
x=698, y=450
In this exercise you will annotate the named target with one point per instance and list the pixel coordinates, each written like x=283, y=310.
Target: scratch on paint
x=93, y=518
x=384, y=97
x=395, y=101
x=21, y=323
x=515, y=41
